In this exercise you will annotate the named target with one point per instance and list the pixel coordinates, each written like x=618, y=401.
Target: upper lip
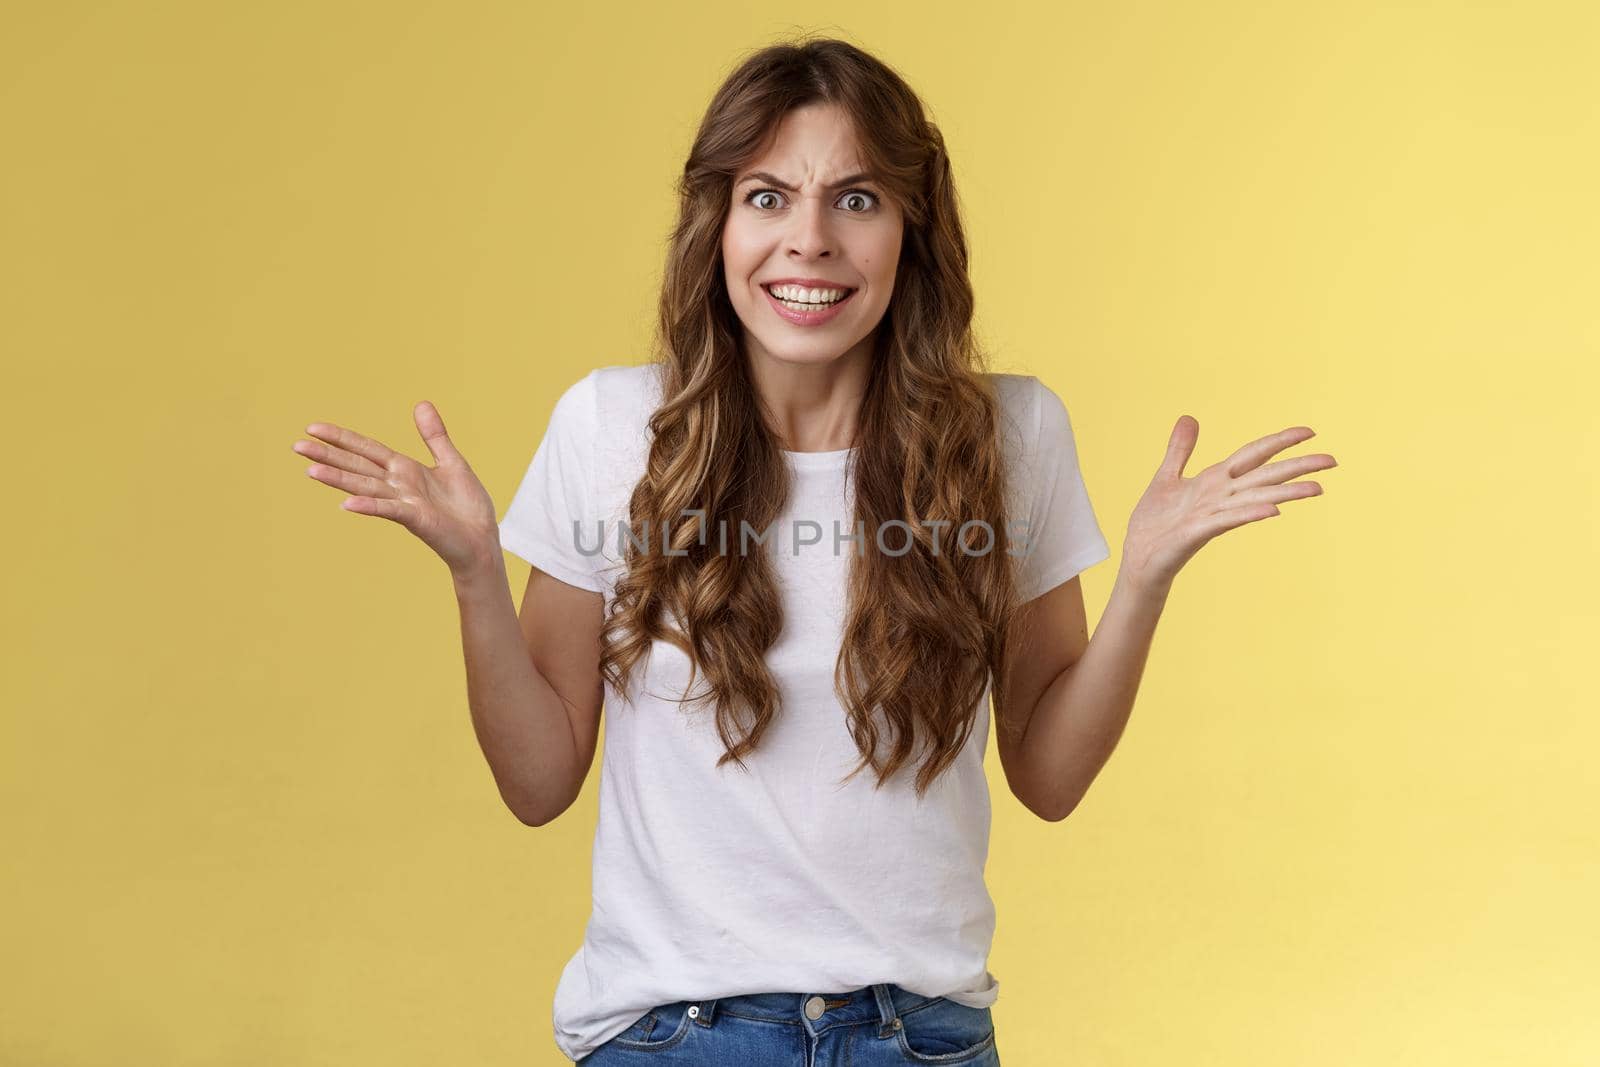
x=809, y=283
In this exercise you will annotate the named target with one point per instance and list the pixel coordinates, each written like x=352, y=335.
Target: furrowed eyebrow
x=772, y=179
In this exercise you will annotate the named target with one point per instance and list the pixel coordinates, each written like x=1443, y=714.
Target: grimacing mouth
x=849, y=291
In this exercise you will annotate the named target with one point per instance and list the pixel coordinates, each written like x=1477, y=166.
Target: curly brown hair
x=925, y=631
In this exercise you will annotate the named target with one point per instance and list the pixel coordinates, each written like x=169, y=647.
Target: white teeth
x=801, y=295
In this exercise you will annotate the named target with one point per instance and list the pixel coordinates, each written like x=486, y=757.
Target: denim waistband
x=883, y=1002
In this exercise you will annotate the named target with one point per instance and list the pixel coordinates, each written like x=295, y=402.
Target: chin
x=804, y=351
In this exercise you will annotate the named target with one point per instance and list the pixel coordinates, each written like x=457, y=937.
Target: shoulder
x=1034, y=413
x=624, y=389
x=1019, y=398
x=623, y=397
x=1018, y=394
x=609, y=396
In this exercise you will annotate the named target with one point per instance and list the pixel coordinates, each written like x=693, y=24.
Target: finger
x=1180, y=446
x=431, y=425
x=351, y=483
x=351, y=441
x=383, y=508
x=1228, y=518
x=1284, y=469
x=1250, y=456
x=1271, y=494
x=337, y=457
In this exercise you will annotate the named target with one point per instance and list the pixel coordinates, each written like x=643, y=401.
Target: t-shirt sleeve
x=1063, y=536
x=557, y=491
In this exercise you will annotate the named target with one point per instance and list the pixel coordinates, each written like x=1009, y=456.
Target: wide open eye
x=860, y=194
x=863, y=199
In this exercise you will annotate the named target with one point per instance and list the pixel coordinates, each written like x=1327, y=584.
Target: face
x=802, y=219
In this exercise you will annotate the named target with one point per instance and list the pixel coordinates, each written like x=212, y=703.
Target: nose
x=810, y=235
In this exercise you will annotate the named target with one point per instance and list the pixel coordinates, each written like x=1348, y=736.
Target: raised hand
x=445, y=505
x=1177, y=515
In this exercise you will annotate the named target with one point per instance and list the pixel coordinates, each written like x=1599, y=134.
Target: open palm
x=445, y=505
x=1177, y=515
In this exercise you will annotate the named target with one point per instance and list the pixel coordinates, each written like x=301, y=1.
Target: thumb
x=431, y=426
x=1180, y=446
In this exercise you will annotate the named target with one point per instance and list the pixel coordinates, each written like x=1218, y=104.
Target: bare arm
x=1081, y=691
x=533, y=684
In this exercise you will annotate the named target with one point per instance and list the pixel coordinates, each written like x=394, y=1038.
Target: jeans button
x=815, y=1008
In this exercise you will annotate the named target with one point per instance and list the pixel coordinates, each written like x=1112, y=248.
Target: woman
x=793, y=556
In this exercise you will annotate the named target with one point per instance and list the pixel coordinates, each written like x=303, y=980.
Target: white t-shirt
x=711, y=883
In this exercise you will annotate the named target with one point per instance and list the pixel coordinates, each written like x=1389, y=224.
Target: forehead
x=815, y=142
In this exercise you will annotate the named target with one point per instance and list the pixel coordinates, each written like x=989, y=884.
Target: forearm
x=1081, y=715
x=521, y=723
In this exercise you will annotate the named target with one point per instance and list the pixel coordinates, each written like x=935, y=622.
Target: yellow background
x=1353, y=819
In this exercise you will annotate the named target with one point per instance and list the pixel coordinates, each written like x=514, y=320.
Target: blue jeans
x=876, y=1026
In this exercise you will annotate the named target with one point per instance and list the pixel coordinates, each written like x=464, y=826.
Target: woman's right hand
x=445, y=505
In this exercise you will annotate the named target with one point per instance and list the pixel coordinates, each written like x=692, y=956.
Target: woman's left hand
x=1177, y=515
